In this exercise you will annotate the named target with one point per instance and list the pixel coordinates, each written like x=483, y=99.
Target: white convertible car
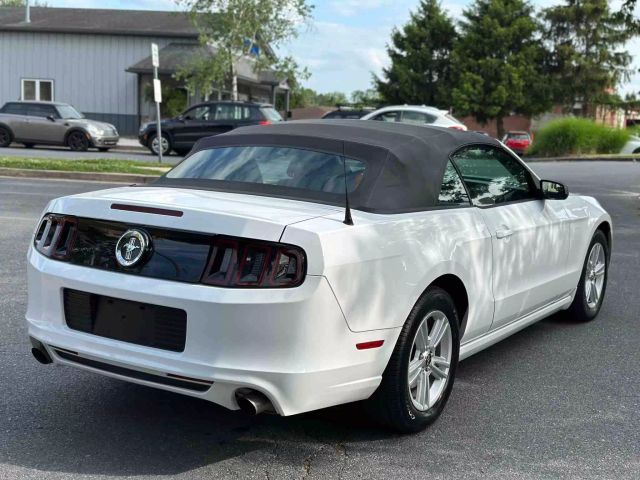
x=296, y=266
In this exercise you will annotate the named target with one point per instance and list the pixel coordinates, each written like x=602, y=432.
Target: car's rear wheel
x=78, y=141
x=5, y=137
x=593, y=281
x=154, y=144
x=103, y=149
x=419, y=377
x=28, y=145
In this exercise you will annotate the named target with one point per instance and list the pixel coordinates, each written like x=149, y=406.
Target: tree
x=497, y=62
x=241, y=29
x=420, y=71
x=588, y=59
x=21, y=3
x=366, y=98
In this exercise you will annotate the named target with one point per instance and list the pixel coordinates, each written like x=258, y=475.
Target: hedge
x=576, y=136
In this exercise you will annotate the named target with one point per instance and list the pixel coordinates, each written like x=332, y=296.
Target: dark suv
x=204, y=120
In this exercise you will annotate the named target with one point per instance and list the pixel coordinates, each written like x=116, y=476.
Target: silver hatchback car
x=53, y=123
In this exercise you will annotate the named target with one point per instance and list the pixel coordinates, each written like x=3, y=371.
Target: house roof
x=98, y=21
x=176, y=55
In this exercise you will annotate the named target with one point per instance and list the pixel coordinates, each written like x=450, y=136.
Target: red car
x=517, y=141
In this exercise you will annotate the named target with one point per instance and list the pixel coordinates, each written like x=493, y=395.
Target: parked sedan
x=180, y=134
x=301, y=265
x=416, y=115
x=53, y=123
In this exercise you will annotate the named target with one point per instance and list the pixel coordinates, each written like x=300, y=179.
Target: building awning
x=177, y=55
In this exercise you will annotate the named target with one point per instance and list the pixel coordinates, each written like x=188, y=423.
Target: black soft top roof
x=405, y=163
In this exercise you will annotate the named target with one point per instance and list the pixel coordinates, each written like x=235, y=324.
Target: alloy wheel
x=594, y=275
x=77, y=141
x=430, y=360
x=154, y=145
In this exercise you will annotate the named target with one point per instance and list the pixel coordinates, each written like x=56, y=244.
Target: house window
x=40, y=90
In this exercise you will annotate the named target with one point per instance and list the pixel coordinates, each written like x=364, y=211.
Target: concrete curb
x=582, y=159
x=86, y=176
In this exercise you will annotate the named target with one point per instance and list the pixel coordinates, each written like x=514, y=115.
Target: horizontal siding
x=88, y=70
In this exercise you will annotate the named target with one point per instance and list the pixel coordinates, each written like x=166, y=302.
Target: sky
x=345, y=45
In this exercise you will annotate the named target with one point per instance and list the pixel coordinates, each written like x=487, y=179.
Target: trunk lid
x=240, y=215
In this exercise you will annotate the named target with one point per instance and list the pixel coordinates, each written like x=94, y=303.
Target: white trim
x=37, y=81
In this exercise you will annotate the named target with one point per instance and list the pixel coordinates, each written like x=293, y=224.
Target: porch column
x=287, y=99
x=273, y=95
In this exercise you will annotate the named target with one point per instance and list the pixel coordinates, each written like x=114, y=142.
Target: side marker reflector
x=367, y=345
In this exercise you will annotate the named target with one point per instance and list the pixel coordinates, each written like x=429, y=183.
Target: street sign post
x=157, y=96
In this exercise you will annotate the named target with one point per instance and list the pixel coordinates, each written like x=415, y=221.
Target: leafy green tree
x=588, y=58
x=497, y=62
x=241, y=29
x=420, y=71
x=367, y=98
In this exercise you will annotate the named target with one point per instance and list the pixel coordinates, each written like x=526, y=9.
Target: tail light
x=457, y=127
x=240, y=263
x=55, y=236
x=265, y=122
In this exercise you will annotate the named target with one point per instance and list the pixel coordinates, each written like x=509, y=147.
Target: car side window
x=393, y=116
x=227, y=111
x=14, y=109
x=492, y=176
x=417, y=118
x=452, y=191
x=35, y=110
x=202, y=112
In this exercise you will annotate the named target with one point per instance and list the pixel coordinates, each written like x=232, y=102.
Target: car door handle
x=503, y=232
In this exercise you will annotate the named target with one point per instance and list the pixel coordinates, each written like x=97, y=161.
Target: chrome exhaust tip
x=254, y=403
x=41, y=355
x=39, y=352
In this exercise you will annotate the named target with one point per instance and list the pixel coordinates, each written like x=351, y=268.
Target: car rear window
x=518, y=136
x=294, y=168
x=271, y=114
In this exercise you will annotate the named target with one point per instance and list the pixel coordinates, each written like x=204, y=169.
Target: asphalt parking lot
x=557, y=400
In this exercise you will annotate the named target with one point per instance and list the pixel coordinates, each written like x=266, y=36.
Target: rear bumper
x=293, y=345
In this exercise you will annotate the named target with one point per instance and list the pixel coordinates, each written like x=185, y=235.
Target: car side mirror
x=51, y=118
x=553, y=190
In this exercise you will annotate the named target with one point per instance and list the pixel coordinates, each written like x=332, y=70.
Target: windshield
x=259, y=166
x=67, y=111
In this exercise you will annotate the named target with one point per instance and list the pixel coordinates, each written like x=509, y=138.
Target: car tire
x=103, y=149
x=5, y=137
x=593, y=280
x=78, y=141
x=636, y=151
x=28, y=145
x=398, y=403
x=153, y=144
x=182, y=152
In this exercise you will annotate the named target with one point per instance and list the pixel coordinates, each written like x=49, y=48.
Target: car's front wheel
x=155, y=142
x=419, y=377
x=78, y=141
x=593, y=281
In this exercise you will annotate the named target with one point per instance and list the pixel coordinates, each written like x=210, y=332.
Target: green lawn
x=100, y=165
